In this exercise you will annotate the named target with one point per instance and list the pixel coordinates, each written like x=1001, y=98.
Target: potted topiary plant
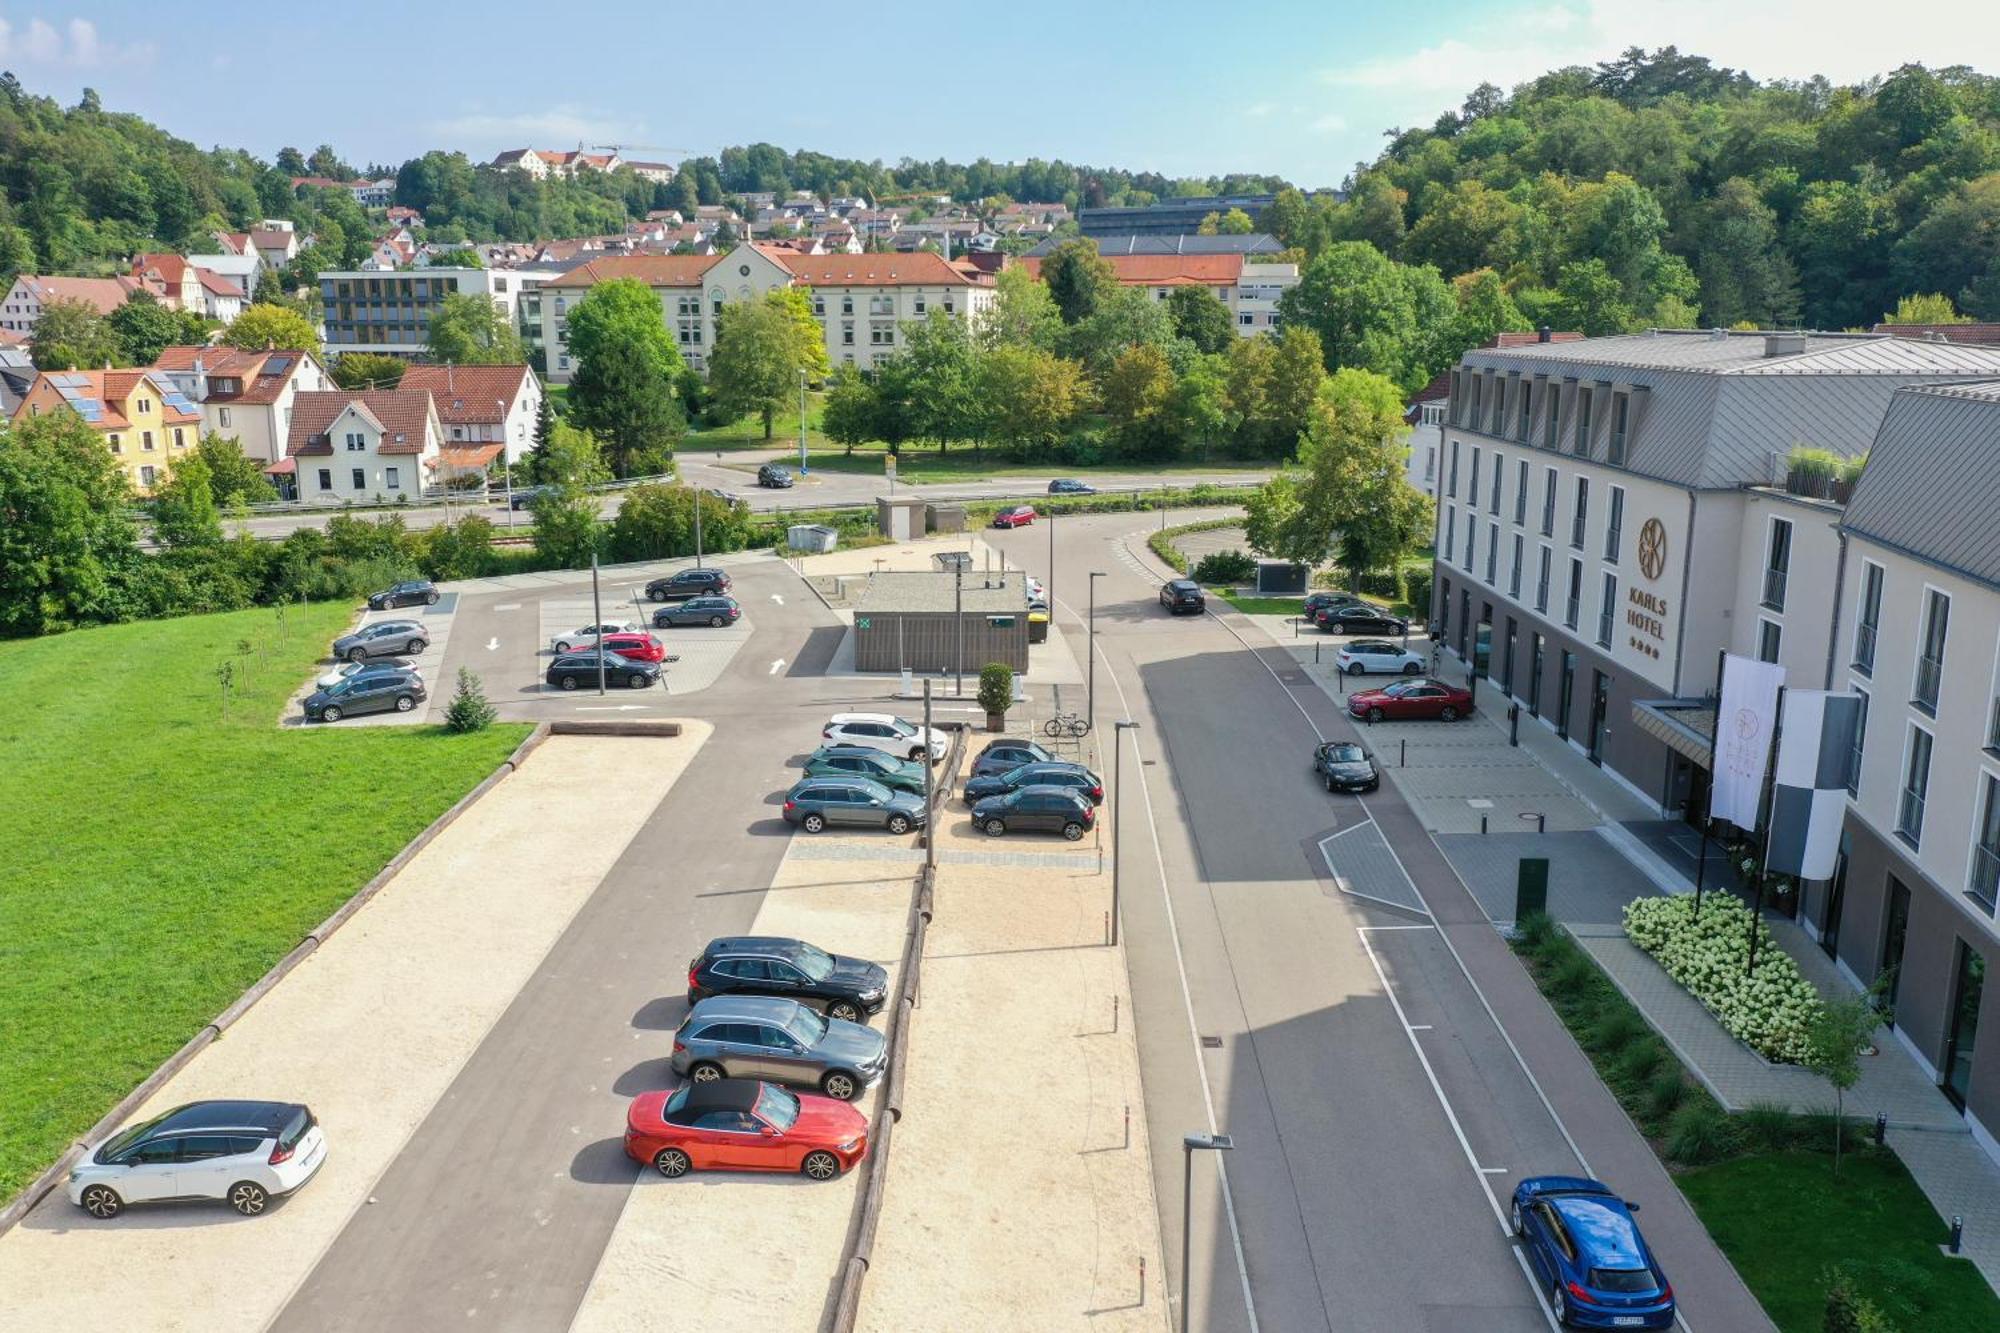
x=996, y=692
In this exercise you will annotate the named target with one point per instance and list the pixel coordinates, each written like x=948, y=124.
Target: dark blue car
x=1588, y=1251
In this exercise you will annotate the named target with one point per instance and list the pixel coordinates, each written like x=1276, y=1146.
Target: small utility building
x=912, y=620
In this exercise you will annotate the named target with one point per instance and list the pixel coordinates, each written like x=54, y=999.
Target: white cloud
x=556, y=127
x=1328, y=124
x=75, y=46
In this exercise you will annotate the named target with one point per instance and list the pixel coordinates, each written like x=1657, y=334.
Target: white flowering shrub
x=1770, y=1011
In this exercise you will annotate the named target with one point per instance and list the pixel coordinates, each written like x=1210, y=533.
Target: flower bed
x=1770, y=1010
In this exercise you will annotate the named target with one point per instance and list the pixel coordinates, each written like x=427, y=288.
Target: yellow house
x=146, y=423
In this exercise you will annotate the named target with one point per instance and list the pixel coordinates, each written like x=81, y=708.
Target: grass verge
x=167, y=858
x=1762, y=1181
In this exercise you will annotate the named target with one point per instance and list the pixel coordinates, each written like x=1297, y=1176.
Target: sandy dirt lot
x=369, y=1032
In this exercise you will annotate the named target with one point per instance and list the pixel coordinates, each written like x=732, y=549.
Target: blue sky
x=1288, y=86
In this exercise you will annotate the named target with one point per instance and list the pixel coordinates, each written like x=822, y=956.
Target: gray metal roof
x=1255, y=243
x=1721, y=412
x=1931, y=487
x=891, y=590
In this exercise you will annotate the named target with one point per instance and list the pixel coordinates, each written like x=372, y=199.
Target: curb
x=39, y=1188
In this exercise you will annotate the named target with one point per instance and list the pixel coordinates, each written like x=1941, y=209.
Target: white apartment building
x=389, y=312
x=1251, y=291
x=244, y=396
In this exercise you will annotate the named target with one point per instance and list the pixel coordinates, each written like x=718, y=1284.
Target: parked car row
x=372, y=671
x=1016, y=786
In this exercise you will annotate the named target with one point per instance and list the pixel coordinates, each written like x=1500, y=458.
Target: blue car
x=1588, y=1250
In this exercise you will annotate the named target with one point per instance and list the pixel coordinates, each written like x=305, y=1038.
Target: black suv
x=417, y=592
x=849, y=988
x=685, y=583
x=1182, y=595
x=775, y=475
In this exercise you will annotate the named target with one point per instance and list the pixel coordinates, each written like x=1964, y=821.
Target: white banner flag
x=1743, y=723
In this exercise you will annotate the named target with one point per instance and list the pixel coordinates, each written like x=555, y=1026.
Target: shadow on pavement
x=603, y=1163
x=661, y=1015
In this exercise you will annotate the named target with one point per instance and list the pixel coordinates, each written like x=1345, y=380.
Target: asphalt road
x=1387, y=1075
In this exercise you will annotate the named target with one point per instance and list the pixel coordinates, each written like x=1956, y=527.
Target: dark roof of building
x=1255, y=243
x=915, y=590
x=1930, y=488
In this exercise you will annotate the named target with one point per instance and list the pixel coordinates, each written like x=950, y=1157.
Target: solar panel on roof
x=177, y=401
x=277, y=365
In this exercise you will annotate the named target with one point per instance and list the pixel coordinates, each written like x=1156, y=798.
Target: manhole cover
x=1211, y=1043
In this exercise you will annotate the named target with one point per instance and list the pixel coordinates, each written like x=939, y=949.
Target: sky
x=1298, y=88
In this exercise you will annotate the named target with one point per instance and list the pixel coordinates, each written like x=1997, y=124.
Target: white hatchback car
x=245, y=1152
x=587, y=636
x=1379, y=656
x=885, y=732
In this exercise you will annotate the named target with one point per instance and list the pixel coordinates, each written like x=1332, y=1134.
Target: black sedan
x=685, y=583
x=416, y=592
x=1070, y=486
x=1035, y=810
x=715, y=612
x=840, y=987
x=1345, y=766
x=1326, y=601
x=575, y=671
x=1006, y=754
x=1360, y=620
x=1055, y=773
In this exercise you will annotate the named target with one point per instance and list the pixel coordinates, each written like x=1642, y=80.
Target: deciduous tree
x=65, y=541
x=626, y=368
x=275, y=326
x=1078, y=277
x=70, y=335
x=1200, y=317
x=468, y=329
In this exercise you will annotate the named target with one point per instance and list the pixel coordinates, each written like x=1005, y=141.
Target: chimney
x=1784, y=344
x=1545, y=334
x=447, y=377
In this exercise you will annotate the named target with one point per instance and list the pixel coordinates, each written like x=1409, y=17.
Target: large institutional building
x=1613, y=514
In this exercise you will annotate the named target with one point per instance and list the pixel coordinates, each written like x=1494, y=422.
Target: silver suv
x=752, y=1036
x=384, y=638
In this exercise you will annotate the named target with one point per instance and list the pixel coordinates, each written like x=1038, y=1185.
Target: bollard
x=1957, y=1232
x=1513, y=724
x=1142, y=1280
x=1541, y=823
x=1107, y=927
x=1881, y=1127
x=1403, y=754
x=1482, y=825
x=1315, y=654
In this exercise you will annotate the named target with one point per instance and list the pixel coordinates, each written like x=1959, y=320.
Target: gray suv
x=384, y=638
x=851, y=799
x=754, y=1036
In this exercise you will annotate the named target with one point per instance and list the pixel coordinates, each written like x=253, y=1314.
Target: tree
x=468, y=329
x=1022, y=313
x=1745, y=275
x=623, y=390
x=1485, y=310
x=1925, y=308
x=1233, y=223
x=274, y=326
x=65, y=541
x=1078, y=277
x=1841, y=1030
x=1200, y=317
x=567, y=529
x=144, y=328
x=1297, y=374
x=848, y=414
x=469, y=710
x=369, y=370
x=464, y=256
x=1124, y=317
x=1590, y=299
x=936, y=372
x=1028, y=396
x=184, y=509
x=762, y=349
x=1138, y=394
x=232, y=477
x=70, y=335
x=1359, y=303
x=657, y=522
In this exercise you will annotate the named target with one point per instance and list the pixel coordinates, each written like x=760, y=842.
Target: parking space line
x=1536, y=1287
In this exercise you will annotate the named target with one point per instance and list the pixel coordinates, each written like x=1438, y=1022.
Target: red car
x=638, y=647
x=741, y=1124
x=1017, y=516
x=1419, y=696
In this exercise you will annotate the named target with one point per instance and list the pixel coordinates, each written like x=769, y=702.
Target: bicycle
x=1070, y=724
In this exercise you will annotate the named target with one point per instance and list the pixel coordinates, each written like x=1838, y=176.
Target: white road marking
x=508, y=606
x=774, y=667
x=1420, y=1027
x=1536, y=1287
x=491, y=644
x=778, y=599
x=613, y=708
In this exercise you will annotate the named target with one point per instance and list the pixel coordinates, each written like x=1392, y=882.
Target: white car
x=1378, y=657
x=346, y=669
x=245, y=1152
x=587, y=636
x=885, y=732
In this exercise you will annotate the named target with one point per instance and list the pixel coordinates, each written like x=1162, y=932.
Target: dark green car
x=842, y=761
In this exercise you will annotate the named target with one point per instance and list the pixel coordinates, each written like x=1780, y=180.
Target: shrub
x=1638, y=1062
x=1699, y=1132
x=1663, y=1093
x=1768, y=1125
x=1385, y=584
x=1771, y=1010
x=470, y=709
x=1612, y=1029
x=1230, y=567
x=1417, y=592
x=996, y=687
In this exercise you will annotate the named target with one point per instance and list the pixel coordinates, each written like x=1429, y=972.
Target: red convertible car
x=741, y=1124
x=1015, y=516
x=1420, y=696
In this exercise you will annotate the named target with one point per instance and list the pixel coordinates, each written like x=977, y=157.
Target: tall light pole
x=1189, y=1146
x=597, y=621
x=697, y=526
x=1118, y=730
x=1051, y=589
x=958, y=623
x=802, y=420
x=506, y=463
x=1090, y=707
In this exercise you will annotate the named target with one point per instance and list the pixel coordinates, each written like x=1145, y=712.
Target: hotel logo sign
x=1653, y=549
x=1646, y=612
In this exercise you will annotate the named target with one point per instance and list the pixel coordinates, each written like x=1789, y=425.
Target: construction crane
x=681, y=153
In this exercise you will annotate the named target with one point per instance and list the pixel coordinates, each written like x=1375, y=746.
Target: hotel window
x=1514, y=574
x=1493, y=500
x=1930, y=654
x=1574, y=606
x=1450, y=531
x=1916, y=787
x=1496, y=389
x=1985, y=879
x=1521, y=493
x=1580, y=518
x=1614, y=450
x=1472, y=482
x=1549, y=502
x=1451, y=477
x=1868, y=618
x=1542, y=583
x=1770, y=636
x=1471, y=540
x=1478, y=383
x=1777, y=564
x=1605, y=611
x=1553, y=414
x=1492, y=551
x=1524, y=409
x=1860, y=739
x=1581, y=446
x=1614, y=524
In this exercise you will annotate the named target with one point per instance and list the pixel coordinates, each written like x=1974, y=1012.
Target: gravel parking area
x=369, y=1031
x=1014, y=1155
x=744, y=1250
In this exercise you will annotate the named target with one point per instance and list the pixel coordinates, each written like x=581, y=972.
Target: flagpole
x=1770, y=819
x=1707, y=819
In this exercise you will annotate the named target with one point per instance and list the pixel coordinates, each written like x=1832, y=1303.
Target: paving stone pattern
x=1589, y=882
x=1365, y=866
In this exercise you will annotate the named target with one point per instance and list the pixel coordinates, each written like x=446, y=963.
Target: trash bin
x=945, y=517
x=1038, y=627
x=816, y=538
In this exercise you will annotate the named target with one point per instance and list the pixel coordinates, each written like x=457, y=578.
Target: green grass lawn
x=1261, y=606
x=1784, y=1220
x=164, y=859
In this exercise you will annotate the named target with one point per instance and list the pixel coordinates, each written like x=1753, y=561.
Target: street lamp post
x=1051, y=589
x=1090, y=706
x=506, y=463
x=697, y=527
x=958, y=624
x=597, y=621
x=1189, y=1146
x=1118, y=730
x=802, y=421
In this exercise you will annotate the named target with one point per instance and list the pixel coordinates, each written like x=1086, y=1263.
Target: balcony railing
x=1985, y=880
x=1864, y=648
x=1816, y=484
x=1929, y=671
x=1604, y=627
x=1570, y=611
x=1774, y=589
x=1910, y=817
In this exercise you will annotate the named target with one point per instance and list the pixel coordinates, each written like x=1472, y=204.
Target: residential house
x=244, y=396
x=1251, y=291
x=274, y=242
x=660, y=173
x=24, y=301
x=409, y=218
x=353, y=446
x=17, y=372
x=181, y=284
x=482, y=408
x=242, y=271
x=541, y=163
x=147, y=424
x=375, y=193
